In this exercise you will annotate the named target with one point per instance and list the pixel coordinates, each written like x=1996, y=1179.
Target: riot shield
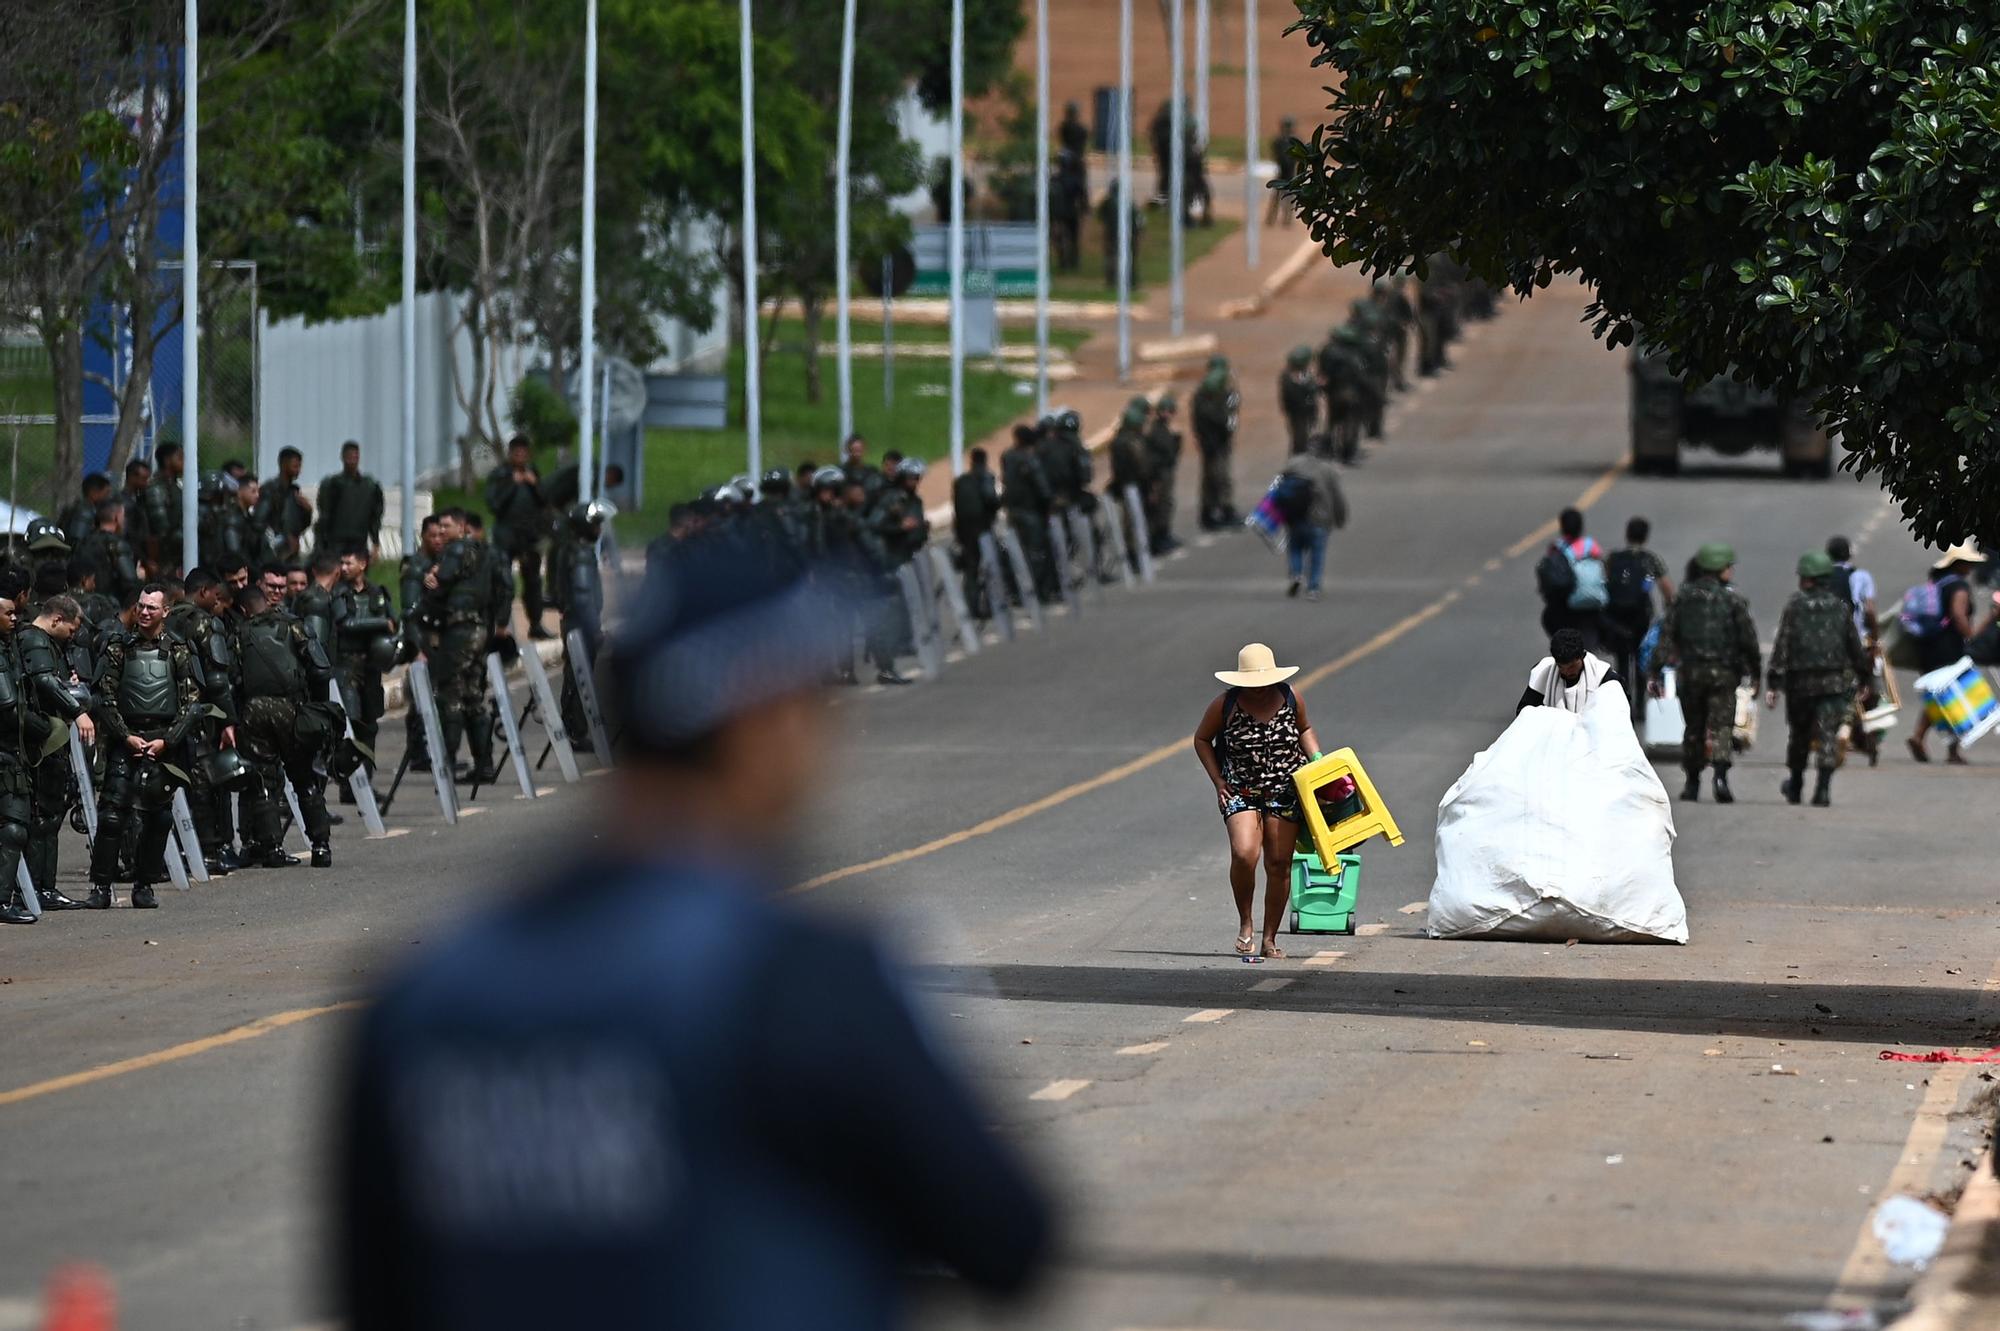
x=503, y=703
x=996, y=585
x=946, y=578
x=418, y=682
x=1142, y=547
x=585, y=682
x=542, y=706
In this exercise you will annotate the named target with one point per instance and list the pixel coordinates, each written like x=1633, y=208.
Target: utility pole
x=752, y=388
x=1041, y=208
x=586, y=417
x=1177, y=168
x=843, y=333
x=1252, y=135
x=1124, y=219
x=409, y=311
x=191, y=294
x=957, y=240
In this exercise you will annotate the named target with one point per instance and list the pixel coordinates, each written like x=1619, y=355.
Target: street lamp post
x=843, y=333
x=586, y=420
x=1124, y=220
x=409, y=310
x=1251, y=143
x=190, y=294
x=752, y=387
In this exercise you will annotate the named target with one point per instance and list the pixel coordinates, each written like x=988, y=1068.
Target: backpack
x=1555, y=576
x=1292, y=496
x=1843, y=582
x=1625, y=574
x=270, y=667
x=1590, y=590
x=1923, y=609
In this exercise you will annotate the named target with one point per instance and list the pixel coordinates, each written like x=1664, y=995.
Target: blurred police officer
x=662, y=1119
x=50, y=688
x=1818, y=663
x=364, y=640
x=286, y=728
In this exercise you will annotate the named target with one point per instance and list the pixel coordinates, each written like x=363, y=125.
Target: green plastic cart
x=1322, y=901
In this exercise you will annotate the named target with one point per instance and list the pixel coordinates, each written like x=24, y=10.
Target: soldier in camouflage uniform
x=1343, y=377
x=148, y=702
x=1214, y=411
x=1708, y=635
x=1818, y=663
x=1131, y=464
x=458, y=596
x=19, y=747
x=287, y=727
x=1025, y=494
x=420, y=632
x=1163, y=456
x=364, y=632
x=1298, y=397
x=49, y=688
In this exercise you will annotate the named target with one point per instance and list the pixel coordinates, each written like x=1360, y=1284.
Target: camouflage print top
x=113, y=726
x=1817, y=653
x=1708, y=627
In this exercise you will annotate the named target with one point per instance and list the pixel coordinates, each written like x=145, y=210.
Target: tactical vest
x=315, y=606
x=1705, y=623
x=270, y=667
x=146, y=689
x=469, y=595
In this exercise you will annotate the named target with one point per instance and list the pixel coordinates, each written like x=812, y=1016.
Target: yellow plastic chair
x=1373, y=819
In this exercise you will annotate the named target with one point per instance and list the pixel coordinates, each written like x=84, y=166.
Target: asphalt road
x=1408, y=1134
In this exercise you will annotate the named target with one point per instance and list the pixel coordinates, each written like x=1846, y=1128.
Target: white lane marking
x=1414, y=908
x=20, y=1314
x=1208, y=1014
x=1372, y=930
x=1061, y=1090
x=394, y=831
x=1324, y=958
x=1269, y=986
x=1150, y=1047
x=1493, y=564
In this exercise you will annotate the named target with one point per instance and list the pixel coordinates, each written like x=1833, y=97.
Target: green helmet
x=1136, y=412
x=45, y=537
x=1299, y=357
x=1168, y=402
x=1815, y=564
x=1714, y=556
x=1215, y=380
x=1218, y=362
x=1140, y=401
x=1352, y=334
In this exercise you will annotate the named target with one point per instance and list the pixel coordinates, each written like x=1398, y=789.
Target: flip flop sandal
x=1272, y=950
x=1246, y=944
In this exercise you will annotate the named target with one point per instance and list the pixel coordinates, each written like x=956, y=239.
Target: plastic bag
x=1561, y=830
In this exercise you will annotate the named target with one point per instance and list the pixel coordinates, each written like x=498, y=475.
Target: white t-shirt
x=1861, y=583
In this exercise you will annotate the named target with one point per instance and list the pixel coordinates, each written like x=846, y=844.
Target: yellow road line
x=1154, y=757
x=1061, y=1090
x=173, y=1054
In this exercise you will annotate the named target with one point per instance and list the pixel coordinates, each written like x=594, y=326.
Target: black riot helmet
x=776, y=483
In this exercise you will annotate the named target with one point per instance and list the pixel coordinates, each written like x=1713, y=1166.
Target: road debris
x=1910, y=1231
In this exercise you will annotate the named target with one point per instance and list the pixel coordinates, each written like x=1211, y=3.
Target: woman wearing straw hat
x=1250, y=741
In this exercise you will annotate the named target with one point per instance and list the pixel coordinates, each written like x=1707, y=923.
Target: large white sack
x=1560, y=830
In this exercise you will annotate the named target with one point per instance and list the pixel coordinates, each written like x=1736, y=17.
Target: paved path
x=1408, y=1134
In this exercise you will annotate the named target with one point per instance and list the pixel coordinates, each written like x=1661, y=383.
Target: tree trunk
x=812, y=305
x=770, y=334
x=64, y=344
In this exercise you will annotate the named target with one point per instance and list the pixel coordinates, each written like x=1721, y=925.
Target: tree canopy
x=1807, y=195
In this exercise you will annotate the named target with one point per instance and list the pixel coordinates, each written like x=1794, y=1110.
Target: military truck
x=1725, y=415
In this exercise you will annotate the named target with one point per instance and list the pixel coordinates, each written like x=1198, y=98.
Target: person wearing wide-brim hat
x=1708, y=637
x=1250, y=741
x=1946, y=643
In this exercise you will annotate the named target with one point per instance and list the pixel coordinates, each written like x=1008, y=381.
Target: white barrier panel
x=418, y=683
x=496, y=675
x=585, y=682
x=190, y=839
x=1083, y=535
x=954, y=595
x=545, y=709
x=1144, y=545
x=1114, y=539
x=1059, y=554
x=357, y=780
x=929, y=655
x=996, y=585
x=28, y=896
x=1024, y=577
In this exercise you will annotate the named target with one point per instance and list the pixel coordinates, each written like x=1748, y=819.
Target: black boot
x=322, y=855
x=13, y=912
x=55, y=900
x=1691, y=792
x=1722, y=793
x=143, y=897
x=1793, y=788
x=1823, y=792
x=99, y=898
x=268, y=857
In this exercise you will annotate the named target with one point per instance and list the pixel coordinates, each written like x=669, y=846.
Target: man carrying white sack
x=1569, y=677
x=1561, y=830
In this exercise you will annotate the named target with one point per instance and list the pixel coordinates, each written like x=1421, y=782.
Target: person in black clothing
x=975, y=506
x=520, y=521
x=666, y=1116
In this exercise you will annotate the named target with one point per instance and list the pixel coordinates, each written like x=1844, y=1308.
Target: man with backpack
x=1857, y=587
x=1818, y=664
x=1308, y=497
x=1631, y=577
x=1937, y=615
x=1572, y=579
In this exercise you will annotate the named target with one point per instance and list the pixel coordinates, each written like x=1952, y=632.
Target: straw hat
x=1965, y=552
x=1256, y=668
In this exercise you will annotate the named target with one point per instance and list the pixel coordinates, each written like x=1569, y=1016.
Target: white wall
x=320, y=385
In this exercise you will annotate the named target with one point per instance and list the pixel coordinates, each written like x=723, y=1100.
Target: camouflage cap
x=1815, y=564
x=1714, y=556
x=1299, y=355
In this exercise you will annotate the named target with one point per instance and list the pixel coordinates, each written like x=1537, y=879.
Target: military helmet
x=214, y=484
x=382, y=651
x=1353, y=335
x=585, y=519
x=912, y=468
x=1136, y=412
x=829, y=478
x=1714, y=556
x=777, y=482
x=226, y=770
x=1168, y=402
x=724, y=494
x=1299, y=357
x=1815, y=564
x=1069, y=420
x=45, y=537
x=1218, y=362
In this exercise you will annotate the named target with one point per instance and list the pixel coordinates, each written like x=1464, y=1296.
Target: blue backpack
x=1593, y=588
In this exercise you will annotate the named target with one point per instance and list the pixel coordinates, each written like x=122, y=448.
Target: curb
x=1274, y=286
x=1961, y=1290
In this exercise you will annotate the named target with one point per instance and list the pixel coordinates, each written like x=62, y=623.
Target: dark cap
x=725, y=623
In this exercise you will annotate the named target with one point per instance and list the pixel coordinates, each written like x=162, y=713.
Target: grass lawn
x=1087, y=282
x=680, y=464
